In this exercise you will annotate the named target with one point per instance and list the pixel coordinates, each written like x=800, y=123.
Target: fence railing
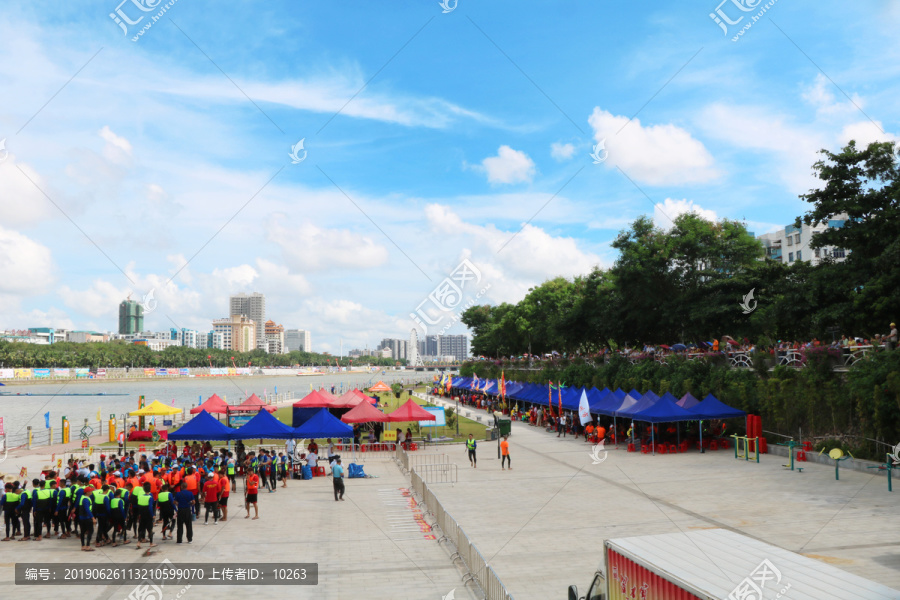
x=478, y=569
x=419, y=459
x=438, y=473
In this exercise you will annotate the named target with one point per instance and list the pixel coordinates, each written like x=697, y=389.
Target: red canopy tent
x=251, y=405
x=364, y=413
x=410, y=412
x=212, y=405
x=315, y=399
x=348, y=400
x=368, y=399
x=380, y=387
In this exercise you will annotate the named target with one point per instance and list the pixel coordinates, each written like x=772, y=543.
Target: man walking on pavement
x=337, y=478
x=561, y=428
x=471, y=445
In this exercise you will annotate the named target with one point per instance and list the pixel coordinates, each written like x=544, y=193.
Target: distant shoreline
x=173, y=378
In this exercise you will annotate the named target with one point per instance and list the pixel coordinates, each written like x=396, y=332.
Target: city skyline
x=137, y=167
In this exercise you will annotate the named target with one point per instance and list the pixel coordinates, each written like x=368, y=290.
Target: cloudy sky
x=163, y=161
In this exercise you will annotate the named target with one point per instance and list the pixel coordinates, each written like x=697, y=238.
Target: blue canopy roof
x=323, y=425
x=688, y=401
x=203, y=427
x=664, y=410
x=263, y=426
x=712, y=408
x=646, y=401
x=596, y=397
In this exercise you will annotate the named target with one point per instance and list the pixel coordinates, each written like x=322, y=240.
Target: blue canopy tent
x=628, y=409
x=620, y=394
x=264, y=426
x=688, y=401
x=203, y=427
x=596, y=397
x=323, y=425
x=635, y=393
x=663, y=410
x=711, y=408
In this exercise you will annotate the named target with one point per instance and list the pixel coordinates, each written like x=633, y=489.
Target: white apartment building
x=252, y=306
x=238, y=333
x=792, y=244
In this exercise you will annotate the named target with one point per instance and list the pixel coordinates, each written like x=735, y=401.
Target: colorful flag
x=47, y=420
x=99, y=416
x=502, y=389
x=449, y=382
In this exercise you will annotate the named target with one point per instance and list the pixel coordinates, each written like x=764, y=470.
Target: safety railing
x=477, y=568
x=402, y=458
x=423, y=458
x=439, y=473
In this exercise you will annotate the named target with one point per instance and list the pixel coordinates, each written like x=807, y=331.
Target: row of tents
x=648, y=407
x=314, y=421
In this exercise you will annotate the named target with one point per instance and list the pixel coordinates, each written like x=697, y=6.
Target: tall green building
x=131, y=317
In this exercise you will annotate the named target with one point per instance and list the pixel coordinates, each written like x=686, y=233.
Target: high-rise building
x=297, y=340
x=397, y=347
x=252, y=306
x=238, y=333
x=131, y=317
x=453, y=345
x=274, y=338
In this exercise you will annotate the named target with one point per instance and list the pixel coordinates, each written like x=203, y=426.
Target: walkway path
x=542, y=525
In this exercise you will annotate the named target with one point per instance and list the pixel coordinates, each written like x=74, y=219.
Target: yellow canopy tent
x=155, y=409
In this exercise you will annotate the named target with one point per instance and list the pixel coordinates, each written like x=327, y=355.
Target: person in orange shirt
x=250, y=494
x=224, y=492
x=601, y=433
x=191, y=483
x=504, y=453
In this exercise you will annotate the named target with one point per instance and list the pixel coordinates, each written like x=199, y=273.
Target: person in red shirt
x=224, y=492
x=211, y=501
x=251, y=491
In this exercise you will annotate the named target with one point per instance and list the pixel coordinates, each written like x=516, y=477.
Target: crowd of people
x=128, y=496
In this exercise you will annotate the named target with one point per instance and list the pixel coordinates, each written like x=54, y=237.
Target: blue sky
x=163, y=163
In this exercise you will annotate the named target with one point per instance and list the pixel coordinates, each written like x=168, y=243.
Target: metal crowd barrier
x=439, y=473
x=476, y=565
x=424, y=458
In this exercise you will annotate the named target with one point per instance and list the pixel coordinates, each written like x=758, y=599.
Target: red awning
x=251, y=405
x=364, y=413
x=315, y=399
x=213, y=405
x=410, y=412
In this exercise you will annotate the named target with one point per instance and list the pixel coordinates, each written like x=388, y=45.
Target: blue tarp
x=323, y=425
x=263, y=426
x=664, y=410
x=203, y=427
x=712, y=408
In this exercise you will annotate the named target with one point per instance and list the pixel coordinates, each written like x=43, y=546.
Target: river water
x=19, y=411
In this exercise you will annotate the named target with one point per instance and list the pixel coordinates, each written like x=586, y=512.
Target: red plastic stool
x=413, y=446
x=724, y=444
x=645, y=449
x=714, y=445
x=318, y=472
x=661, y=449
x=631, y=448
x=684, y=446
x=673, y=449
x=801, y=455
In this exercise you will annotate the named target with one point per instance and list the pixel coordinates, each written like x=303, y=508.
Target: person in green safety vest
x=117, y=510
x=232, y=469
x=42, y=500
x=63, y=497
x=146, y=509
x=26, y=507
x=86, y=519
x=471, y=446
x=166, y=511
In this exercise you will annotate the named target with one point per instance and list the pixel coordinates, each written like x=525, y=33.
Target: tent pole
x=701, y=436
x=678, y=432
x=615, y=431
x=652, y=440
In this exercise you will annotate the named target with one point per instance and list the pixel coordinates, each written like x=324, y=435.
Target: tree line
x=687, y=283
x=118, y=354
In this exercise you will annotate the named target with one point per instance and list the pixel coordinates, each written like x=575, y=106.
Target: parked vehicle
x=718, y=564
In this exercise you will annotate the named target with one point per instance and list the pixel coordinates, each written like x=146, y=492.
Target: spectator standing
x=504, y=454
x=337, y=478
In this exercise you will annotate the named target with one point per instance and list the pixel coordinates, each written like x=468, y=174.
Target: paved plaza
x=541, y=525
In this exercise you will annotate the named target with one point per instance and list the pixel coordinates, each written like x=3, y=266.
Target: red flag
x=502, y=389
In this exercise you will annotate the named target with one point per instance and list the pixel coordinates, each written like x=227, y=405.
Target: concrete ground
x=369, y=546
x=542, y=525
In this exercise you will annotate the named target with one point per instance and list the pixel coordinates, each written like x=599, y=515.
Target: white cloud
x=866, y=132
x=511, y=262
x=117, y=149
x=655, y=154
x=509, y=166
x=562, y=152
x=21, y=203
x=311, y=248
x=26, y=267
x=664, y=213
x=821, y=95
